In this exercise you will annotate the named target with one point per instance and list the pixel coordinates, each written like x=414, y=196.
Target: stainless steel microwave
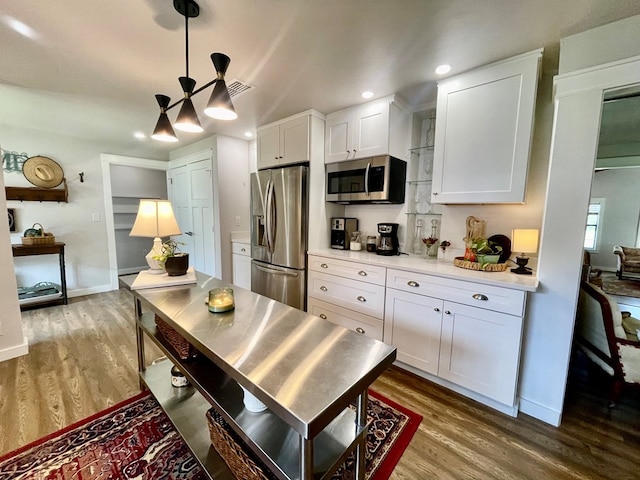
x=366, y=180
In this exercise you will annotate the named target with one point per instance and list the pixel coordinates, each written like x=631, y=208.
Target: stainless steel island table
x=306, y=370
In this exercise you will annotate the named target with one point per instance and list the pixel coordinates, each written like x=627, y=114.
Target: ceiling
x=91, y=68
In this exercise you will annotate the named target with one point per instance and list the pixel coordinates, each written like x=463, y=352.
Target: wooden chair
x=601, y=335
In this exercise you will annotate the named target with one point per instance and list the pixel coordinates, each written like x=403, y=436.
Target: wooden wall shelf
x=36, y=194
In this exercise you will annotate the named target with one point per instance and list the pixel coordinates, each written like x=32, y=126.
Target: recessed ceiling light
x=248, y=134
x=443, y=69
x=140, y=135
x=21, y=28
x=367, y=94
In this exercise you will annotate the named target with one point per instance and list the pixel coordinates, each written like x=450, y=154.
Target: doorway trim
x=551, y=313
x=106, y=161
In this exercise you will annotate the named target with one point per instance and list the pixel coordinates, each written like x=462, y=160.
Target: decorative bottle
x=417, y=240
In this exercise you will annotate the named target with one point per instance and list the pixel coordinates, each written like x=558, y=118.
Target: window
x=594, y=222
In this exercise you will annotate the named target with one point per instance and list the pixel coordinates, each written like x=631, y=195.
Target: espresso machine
x=388, y=239
x=341, y=230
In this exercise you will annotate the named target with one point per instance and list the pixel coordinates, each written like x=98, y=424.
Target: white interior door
x=196, y=210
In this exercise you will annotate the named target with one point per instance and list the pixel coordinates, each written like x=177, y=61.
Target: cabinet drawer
x=359, y=323
x=359, y=296
x=498, y=299
x=241, y=248
x=348, y=269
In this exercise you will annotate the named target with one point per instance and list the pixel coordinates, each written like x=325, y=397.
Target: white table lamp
x=524, y=241
x=155, y=219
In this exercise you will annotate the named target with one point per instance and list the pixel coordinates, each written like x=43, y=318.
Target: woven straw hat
x=42, y=172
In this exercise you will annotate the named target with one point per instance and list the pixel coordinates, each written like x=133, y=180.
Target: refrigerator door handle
x=366, y=179
x=268, y=215
x=276, y=272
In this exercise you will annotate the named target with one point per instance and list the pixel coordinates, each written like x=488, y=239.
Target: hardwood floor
x=82, y=359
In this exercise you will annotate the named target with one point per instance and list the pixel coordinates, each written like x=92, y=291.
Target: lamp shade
x=155, y=219
x=524, y=240
x=220, y=105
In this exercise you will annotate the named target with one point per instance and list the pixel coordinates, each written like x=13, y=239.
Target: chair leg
x=616, y=391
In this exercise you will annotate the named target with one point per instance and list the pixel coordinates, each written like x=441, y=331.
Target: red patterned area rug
x=136, y=440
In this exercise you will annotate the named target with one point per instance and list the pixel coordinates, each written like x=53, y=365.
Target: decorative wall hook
x=81, y=177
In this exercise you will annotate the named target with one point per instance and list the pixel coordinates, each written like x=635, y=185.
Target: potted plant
x=175, y=262
x=485, y=251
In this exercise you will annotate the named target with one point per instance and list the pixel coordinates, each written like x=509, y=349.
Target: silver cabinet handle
x=324, y=265
x=361, y=298
x=434, y=193
x=436, y=309
x=189, y=233
x=323, y=316
x=411, y=283
x=323, y=288
x=243, y=249
x=447, y=312
x=360, y=330
x=362, y=273
x=479, y=296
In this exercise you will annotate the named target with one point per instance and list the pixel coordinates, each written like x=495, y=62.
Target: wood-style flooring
x=82, y=359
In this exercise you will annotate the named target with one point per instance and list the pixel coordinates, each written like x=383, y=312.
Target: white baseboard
x=545, y=414
x=15, y=351
x=89, y=291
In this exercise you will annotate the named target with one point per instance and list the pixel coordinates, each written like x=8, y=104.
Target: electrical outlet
x=237, y=221
x=95, y=217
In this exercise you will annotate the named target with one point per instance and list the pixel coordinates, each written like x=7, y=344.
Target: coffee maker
x=341, y=230
x=388, y=239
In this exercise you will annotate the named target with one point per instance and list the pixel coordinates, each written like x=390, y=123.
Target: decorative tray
x=482, y=267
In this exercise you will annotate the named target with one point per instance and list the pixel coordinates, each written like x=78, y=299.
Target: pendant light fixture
x=220, y=105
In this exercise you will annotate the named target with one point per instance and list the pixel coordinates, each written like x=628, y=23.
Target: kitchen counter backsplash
x=433, y=266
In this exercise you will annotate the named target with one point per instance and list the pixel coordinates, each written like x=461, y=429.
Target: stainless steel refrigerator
x=279, y=225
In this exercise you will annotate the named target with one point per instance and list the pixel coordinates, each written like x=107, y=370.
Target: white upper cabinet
x=484, y=127
x=284, y=143
x=374, y=128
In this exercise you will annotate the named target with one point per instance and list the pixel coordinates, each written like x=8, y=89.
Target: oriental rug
x=136, y=440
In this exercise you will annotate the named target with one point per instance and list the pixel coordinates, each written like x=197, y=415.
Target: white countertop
x=441, y=268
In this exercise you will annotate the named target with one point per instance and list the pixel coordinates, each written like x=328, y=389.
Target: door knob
x=189, y=233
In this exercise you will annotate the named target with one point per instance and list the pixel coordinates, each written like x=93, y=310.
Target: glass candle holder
x=221, y=300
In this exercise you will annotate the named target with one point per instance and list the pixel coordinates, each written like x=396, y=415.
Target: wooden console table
x=57, y=248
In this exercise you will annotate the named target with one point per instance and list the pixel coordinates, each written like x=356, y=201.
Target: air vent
x=236, y=87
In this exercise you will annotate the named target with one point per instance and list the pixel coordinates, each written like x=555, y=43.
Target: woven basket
x=44, y=239
x=481, y=267
x=183, y=348
x=235, y=453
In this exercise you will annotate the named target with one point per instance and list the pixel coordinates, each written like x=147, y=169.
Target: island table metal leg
x=361, y=423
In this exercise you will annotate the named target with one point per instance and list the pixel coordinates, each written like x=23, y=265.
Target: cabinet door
x=484, y=128
x=371, y=130
x=242, y=271
x=413, y=325
x=338, y=136
x=480, y=350
x=294, y=141
x=268, y=147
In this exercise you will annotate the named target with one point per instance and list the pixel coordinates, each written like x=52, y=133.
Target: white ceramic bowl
x=251, y=403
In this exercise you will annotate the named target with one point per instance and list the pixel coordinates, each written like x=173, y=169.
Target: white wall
x=86, y=252
x=13, y=343
x=619, y=188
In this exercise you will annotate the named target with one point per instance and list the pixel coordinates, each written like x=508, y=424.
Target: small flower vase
x=431, y=250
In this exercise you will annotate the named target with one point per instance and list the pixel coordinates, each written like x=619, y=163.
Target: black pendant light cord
x=186, y=43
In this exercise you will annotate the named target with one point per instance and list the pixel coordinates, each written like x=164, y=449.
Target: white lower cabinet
x=413, y=324
x=472, y=347
x=241, y=264
x=464, y=335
